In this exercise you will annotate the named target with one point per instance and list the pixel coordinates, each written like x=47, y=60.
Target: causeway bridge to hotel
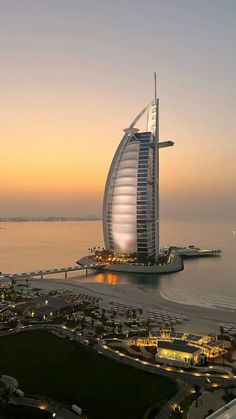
x=42, y=273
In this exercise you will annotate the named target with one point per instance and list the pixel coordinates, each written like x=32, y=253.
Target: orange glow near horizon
x=59, y=156
x=66, y=97
x=78, y=164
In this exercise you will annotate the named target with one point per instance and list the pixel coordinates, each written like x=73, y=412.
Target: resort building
x=178, y=348
x=43, y=307
x=131, y=198
x=178, y=353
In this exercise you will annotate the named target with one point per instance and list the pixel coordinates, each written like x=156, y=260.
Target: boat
x=193, y=251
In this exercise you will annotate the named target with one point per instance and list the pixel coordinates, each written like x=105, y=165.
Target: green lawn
x=61, y=370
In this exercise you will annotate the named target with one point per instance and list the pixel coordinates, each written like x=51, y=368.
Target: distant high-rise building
x=131, y=198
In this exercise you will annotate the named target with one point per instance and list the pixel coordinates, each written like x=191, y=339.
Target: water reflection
x=99, y=278
x=108, y=278
x=144, y=280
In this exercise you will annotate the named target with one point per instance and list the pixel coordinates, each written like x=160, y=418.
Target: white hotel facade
x=131, y=198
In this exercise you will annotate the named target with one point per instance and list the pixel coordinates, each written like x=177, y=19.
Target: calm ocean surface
x=207, y=282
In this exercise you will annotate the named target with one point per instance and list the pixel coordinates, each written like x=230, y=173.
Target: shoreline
x=202, y=320
x=194, y=303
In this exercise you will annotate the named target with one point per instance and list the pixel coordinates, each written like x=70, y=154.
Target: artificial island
x=131, y=226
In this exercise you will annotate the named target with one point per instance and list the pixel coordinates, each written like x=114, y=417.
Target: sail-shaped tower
x=131, y=197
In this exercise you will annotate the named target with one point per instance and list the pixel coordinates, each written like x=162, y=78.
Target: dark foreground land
x=12, y=411
x=58, y=369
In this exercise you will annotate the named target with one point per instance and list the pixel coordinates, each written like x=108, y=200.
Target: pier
x=44, y=272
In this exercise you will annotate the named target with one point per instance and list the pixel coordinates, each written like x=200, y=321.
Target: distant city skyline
x=74, y=73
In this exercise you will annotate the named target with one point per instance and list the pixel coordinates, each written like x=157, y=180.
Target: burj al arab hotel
x=131, y=197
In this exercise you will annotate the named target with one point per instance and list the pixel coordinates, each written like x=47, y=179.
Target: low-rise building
x=43, y=307
x=178, y=353
x=5, y=282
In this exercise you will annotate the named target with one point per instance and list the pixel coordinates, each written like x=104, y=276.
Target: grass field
x=61, y=370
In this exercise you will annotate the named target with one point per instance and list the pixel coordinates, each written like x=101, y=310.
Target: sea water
x=209, y=282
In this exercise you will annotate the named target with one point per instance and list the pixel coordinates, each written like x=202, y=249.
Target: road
x=178, y=397
x=61, y=413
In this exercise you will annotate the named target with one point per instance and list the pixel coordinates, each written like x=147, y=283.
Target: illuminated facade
x=178, y=345
x=178, y=351
x=131, y=198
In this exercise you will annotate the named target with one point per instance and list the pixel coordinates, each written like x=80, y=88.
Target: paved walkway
x=61, y=413
x=206, y=402
x=178, y=397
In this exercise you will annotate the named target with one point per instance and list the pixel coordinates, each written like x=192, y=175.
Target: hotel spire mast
x=156, y=133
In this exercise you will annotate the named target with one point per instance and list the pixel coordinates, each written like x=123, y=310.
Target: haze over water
x=209, y=282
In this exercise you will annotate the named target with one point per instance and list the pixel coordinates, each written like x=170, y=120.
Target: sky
x=75, y=73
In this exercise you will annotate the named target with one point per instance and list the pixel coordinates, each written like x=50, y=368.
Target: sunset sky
x=75, y=73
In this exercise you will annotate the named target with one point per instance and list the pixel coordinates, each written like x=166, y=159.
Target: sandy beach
x=202, y=320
